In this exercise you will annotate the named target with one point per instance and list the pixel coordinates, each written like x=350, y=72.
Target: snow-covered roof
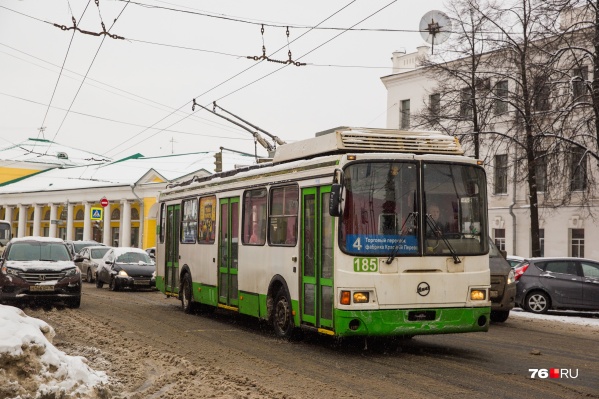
x=133, y=170
x=46, y=152
x=123, y=250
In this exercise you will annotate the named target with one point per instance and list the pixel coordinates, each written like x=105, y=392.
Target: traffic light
x=218, y=162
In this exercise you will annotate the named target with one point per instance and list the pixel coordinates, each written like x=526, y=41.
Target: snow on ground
x=31, y=367
x=590, y=319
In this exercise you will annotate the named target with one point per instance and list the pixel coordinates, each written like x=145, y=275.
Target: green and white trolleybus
x=355, y=232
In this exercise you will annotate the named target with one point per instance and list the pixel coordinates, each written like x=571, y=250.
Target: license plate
x=493, y=294
x=141, y=282
x=41, y=288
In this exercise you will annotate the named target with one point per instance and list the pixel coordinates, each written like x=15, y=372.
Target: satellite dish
x=435, y=27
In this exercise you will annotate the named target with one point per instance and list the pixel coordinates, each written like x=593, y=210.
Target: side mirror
x=79, y=258
x=336, y=200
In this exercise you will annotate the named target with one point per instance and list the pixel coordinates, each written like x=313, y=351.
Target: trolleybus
x=355, y=232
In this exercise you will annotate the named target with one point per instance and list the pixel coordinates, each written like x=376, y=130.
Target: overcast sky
x=138, y=93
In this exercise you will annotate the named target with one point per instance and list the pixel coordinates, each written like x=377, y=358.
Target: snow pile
x=31, y=367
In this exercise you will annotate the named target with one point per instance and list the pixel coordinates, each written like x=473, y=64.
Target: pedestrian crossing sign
x=97, y=213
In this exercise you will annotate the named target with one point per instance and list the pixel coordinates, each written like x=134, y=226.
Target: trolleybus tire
x=186, y=295
x=282, y=319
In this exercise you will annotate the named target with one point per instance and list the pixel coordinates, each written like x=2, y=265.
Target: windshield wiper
x=439, y=235
x=411, y=216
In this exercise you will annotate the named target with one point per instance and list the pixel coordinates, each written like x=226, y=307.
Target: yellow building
x=55, y=191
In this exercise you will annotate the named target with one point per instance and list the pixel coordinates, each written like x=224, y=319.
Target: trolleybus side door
x=228, y=241
x=317, y=258
x=173, y=229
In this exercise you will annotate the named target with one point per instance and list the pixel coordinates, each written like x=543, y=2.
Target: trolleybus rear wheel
x=282, y=319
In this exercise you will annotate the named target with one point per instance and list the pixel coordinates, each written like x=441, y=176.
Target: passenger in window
x=436, y=226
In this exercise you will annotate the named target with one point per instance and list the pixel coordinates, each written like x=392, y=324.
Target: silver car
x=557, y=283
x=88, y=260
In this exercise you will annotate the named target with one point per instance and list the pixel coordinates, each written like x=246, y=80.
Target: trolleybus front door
x=317, y=258
x=171, y=273
x=228, y=240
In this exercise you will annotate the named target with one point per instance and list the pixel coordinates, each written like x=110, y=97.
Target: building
x=564, y=231
x=56, y=191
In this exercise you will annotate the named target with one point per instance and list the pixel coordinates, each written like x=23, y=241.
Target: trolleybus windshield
x=390, y=211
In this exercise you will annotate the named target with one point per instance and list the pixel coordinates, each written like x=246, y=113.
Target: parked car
x=88, y=260
x=152, y=252
x=39, y=268
x=76, y=246
x=124, y=267
x=503, y=285
x=557, y=283
x=514, y=260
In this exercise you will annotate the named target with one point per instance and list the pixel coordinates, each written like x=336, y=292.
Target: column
x=126, y=224
x=87, y=221
x=142, y=217
x=8, y=215
x=53, y=220
x=22, y=226
x=37, y=219
x=69, y=221
x=107, y=231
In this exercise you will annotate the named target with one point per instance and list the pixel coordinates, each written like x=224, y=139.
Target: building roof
x=132, y=170
x=49, y=153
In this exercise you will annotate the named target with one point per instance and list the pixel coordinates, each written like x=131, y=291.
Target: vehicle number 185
x=368, y=265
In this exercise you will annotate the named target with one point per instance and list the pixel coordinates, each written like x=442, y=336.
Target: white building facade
x=565, y=231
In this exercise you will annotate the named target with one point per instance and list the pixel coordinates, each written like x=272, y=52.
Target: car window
x=98, y=253
x=561, y=266
x=590, y=269
x=134, y=257
x=32, y=251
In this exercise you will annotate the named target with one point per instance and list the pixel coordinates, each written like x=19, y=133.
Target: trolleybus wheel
x=282, y=320
x=186, y=295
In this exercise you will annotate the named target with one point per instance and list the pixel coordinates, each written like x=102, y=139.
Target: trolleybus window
x=206, y=231
x=189, y=221
x=283, y=215
x=254, y=217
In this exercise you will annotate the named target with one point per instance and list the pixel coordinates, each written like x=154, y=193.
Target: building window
x=501, y=92
x=540, y=94
x=577, y=243
x=134, y=236
x=434, y=103
x=115, y=237
x=541, y=171
x=466, y=103
x=405, y=114
x=134, y=214
x=500, y=174
x=47, y=216
x=79, y=215
x=542, y=241
x=499, y=238
x=580, y=77
x=578, y=169
x=78, y=233
x=116, y=214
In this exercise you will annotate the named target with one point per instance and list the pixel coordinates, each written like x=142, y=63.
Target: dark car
x=76, y=246
x=557, y=283
x=126, y=267
x=39, y=268
x=503, y=285
x=88, y=260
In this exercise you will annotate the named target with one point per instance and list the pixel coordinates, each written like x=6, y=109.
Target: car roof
x=37, y=238
x=122, y=250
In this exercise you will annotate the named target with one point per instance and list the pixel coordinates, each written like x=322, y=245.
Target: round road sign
x=104, y=202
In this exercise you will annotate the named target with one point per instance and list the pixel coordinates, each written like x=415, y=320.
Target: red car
x=39, y=269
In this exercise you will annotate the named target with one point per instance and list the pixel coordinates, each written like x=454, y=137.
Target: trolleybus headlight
x=345, y=297
x=361, y=297
x=477, y=295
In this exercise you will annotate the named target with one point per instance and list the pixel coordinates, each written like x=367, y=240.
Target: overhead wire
x=220, y=84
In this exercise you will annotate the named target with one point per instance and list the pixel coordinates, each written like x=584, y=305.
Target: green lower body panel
x=205, y=294
x=249, y=304
x=410, y=321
